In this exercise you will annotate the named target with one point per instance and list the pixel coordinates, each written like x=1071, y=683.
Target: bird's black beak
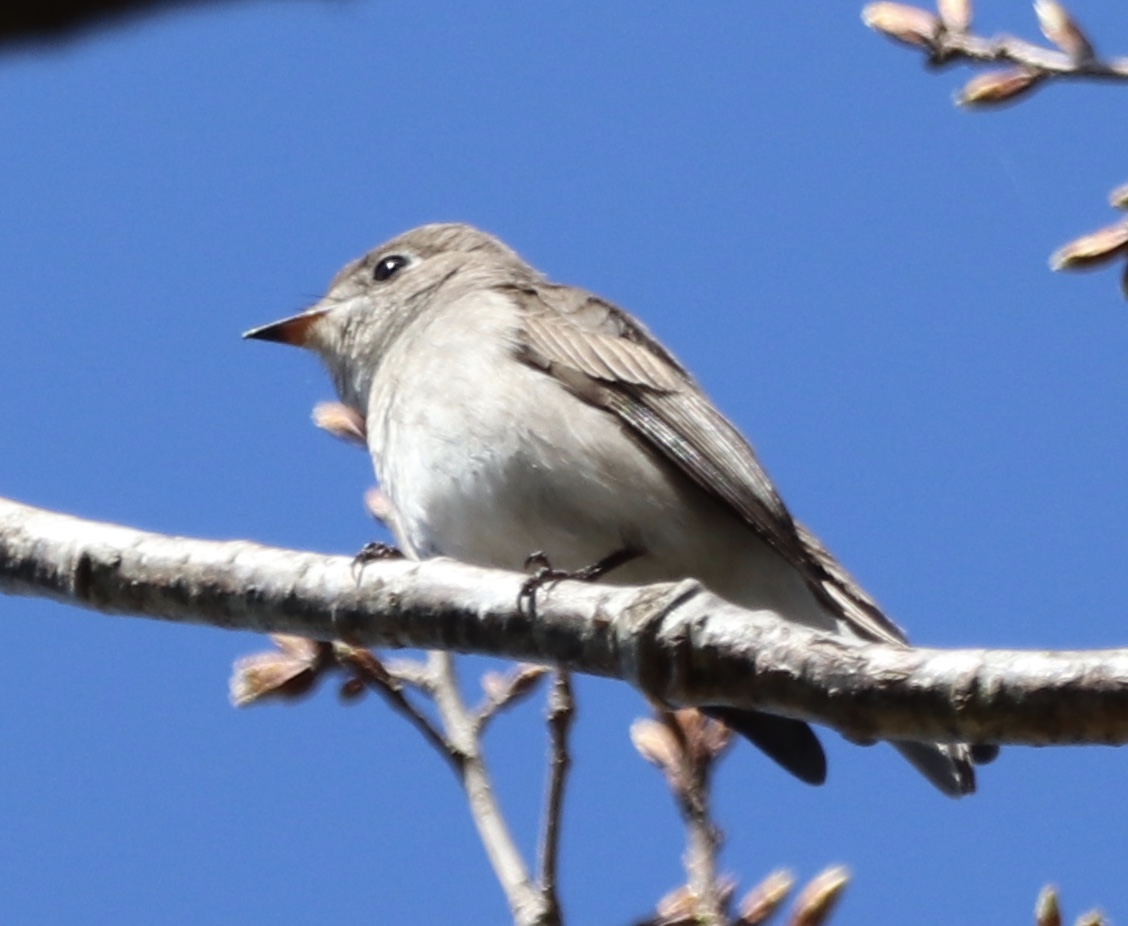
x=293, y=330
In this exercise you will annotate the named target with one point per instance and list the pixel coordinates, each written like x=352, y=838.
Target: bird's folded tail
x=790, y=743
x=793, y=745
x=946, y=765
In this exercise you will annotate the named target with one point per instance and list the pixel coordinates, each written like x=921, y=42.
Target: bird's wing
x=611, y=361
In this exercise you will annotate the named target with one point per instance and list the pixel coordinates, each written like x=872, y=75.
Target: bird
x=506, y=414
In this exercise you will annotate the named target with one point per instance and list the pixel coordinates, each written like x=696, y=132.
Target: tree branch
x=676, y=643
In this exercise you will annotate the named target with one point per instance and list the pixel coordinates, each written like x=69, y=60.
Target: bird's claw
x=546, y=574
x=543, y=575
x=370, y=553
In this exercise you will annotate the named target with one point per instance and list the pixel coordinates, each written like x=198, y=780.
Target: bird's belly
x=535, y=469
x=493, y=481
x=492, y=504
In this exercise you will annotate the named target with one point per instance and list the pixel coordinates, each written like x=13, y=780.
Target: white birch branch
x=676, y=643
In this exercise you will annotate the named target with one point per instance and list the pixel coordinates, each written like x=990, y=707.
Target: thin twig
x=954, y=47
x=411, y=672
x=685, y=745
x=945, y=43
x=376, y=677
x=503, y=691
x=561, y=714
x=945, y=38
x=295, y=667
x=703, y=836
x=525, y=901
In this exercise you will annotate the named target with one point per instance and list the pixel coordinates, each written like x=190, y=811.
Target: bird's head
x=374, y=299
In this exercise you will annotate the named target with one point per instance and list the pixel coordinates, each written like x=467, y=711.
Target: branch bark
x=677, y=643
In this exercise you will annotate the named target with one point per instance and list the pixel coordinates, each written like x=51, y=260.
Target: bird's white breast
x=484, y=458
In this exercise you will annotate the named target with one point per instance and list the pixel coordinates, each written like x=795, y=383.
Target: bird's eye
x=388, y=266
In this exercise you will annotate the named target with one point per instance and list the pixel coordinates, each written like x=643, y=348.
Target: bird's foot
x=370, y=553
x=546, y=574
x=543, y=574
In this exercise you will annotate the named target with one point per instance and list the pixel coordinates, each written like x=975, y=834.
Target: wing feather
x=609, y=360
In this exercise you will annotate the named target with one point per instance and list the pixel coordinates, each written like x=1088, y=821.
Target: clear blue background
x=855, y=270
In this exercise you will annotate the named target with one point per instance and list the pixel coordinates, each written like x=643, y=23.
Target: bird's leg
x=546, y=574
x=599, y=569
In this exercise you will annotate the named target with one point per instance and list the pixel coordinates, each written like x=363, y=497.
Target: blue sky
x=854, y=269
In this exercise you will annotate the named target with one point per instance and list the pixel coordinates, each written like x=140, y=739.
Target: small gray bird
x=506, y=414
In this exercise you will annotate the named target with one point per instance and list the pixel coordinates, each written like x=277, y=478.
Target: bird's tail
x=793, y=744
x=790, y=743
x=946, y=765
